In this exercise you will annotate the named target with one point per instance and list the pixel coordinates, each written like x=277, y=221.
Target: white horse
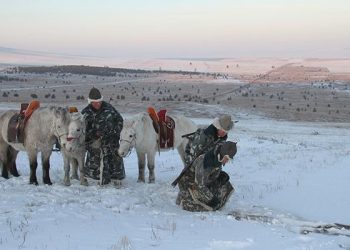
x=138, y=132
x=74, y=151
x=43, y=129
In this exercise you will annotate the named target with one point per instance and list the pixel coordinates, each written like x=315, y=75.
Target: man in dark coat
x=203, y=140
x=205, y=187
x=103, y=127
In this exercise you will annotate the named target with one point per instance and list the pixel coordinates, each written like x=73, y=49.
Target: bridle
x=131, y=143
x=78, y=138
x=58, y=135
x=69, y=139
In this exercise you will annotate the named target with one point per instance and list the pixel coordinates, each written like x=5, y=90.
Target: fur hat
x=228, y=148
x=95, y=95
x=224, y=122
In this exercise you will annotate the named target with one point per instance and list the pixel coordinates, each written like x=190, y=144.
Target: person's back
x=204, y=140
x=200, y=142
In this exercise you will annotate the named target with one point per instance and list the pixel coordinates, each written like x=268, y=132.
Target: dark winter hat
x=95, y=95
x=224, y=122
x=228, y=148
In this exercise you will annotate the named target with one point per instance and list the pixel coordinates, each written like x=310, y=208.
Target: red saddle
x=164, y=126
x=17, y=123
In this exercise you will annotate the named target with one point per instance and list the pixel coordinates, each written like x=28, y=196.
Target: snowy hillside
x=294, y=173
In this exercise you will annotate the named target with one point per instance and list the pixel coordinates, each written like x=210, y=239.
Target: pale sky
x=178, y=28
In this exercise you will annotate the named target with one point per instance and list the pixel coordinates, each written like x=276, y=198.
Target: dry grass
x=194, y=96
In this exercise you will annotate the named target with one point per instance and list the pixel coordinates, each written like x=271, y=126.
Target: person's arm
x=113, y=125
x=118, y=120
x=91, y=133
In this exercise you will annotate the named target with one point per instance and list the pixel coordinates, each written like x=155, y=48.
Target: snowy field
x=294, y=173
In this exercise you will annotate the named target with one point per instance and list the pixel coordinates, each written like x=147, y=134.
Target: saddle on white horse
x=17, y=123
x=164, y=126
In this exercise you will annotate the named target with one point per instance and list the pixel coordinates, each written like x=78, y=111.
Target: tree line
x=93, y=70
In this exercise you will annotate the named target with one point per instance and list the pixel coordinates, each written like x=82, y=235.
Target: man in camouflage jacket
x=103, y=127
x=203, y=140
x=205, y=187
x=200, y=142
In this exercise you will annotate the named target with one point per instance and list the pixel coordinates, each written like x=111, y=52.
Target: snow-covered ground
x=288, y=170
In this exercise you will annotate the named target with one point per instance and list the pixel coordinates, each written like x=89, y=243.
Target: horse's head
x=76, y=132
x=61, y=123
x=127, y=139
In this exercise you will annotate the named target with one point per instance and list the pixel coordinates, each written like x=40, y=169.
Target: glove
x=223, y=178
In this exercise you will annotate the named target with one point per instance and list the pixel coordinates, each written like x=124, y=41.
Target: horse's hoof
x=84, y=182
x=48, y=182
x=141, y=180
x=67, y=183
x=15, y=173
x=5, y=176
x=151, y=179
x=117, y=183
x=34, y=183
x=74, y=177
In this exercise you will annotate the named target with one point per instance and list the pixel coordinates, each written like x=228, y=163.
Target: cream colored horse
x=138, y=132
x=43, y=129
x=74, y=151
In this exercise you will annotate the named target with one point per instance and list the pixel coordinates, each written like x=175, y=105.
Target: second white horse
x=138, y=132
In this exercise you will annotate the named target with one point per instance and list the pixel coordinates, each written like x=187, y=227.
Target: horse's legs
x=4, y=172
x=4, y=160
x=80, y=163
x=45, y=158
x=150, y=164
x=66, y=164
x=33, y=165
x=12, y=161
x=181, y=150
x=74, y=164
x=141, y=157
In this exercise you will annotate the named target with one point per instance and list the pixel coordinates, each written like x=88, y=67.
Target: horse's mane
x=62, y=112
x=77, y=116
x=130, y=121
x=127, y=123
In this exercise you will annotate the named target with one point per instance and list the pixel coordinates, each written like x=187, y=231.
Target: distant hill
x=244, y=69
x=30, y=57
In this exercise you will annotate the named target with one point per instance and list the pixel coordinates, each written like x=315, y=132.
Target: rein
x=59, y=135
x=130, y=144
